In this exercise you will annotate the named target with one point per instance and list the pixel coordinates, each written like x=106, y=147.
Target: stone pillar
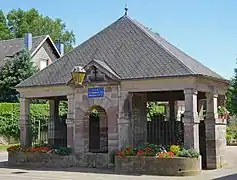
x=139, y=118
x=70, y=121
x=124, y=121
x=112, y=115
x=54, y=125
x=81, y=127
x=215, y=134
x=25, y=123
x=190, y=120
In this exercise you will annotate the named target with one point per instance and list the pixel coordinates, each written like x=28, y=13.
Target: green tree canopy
x=18, y=22
x=232, y=95
x=12, y=73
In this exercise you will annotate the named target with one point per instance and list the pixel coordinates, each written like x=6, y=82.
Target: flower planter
x=178, y=166
x=52, y=160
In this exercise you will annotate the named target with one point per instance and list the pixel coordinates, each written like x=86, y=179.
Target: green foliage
x=63, y=151
x=228, y=137
x=17, y=22
x=9, y=118
x=4, y=30
x=231, y=130
x=232, y=95
x=189, y=153
x=222, y=110
x=94, y=114
x=63, y=108
x=154, y=108
x=174, y=149
x=229, y=100
x=12, y=73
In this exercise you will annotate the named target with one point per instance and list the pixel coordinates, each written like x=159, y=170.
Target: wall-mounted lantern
x=78, y=75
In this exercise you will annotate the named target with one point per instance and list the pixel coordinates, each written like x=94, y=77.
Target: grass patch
x=3, y=147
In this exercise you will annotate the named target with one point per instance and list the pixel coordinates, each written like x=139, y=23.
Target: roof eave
x=42, y=42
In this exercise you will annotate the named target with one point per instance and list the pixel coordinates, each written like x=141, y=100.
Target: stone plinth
x=177, y=166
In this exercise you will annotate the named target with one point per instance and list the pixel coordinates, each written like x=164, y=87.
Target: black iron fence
x=47, y=132
x=161, y=130
x=40, y=129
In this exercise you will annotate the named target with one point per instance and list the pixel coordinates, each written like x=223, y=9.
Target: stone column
x=124, y=121
x=54, y=126
x=190, y=120
x=215, y=134
x=81, y=134
x=25, y=123
x=70, y=121
x=139, y=118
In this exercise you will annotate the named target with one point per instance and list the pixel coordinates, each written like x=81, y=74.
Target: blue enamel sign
x=96, y=92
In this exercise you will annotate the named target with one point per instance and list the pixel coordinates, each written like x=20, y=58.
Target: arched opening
x=98, y=130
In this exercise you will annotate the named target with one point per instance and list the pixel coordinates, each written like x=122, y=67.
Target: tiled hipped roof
x=131, y=51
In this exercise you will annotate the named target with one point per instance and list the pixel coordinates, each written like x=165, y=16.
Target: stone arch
x=97, y=130
x=104, y=102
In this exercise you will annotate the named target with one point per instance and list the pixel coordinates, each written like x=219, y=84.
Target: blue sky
x=206, y=30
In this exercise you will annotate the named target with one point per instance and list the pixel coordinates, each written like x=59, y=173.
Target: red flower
x=120, y=154
x=140, y=153
x=165, y=155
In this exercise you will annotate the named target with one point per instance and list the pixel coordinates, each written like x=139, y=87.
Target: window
x=43, y=63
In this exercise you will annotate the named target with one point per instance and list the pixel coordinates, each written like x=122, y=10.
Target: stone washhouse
x=116, y=72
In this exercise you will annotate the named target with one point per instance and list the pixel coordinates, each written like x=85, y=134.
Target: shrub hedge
x=9, y=117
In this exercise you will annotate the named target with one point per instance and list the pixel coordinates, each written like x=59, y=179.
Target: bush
x=189, y=153
x=228, y=138
x=9, y=118
x=175, y=149
x=143, y=150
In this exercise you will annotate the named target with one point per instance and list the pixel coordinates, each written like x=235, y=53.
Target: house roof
x=8, y=48
x=130, y=50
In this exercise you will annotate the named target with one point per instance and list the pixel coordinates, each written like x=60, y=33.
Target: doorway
x=98, y=130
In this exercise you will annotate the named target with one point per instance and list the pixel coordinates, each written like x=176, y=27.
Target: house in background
x=42, y=49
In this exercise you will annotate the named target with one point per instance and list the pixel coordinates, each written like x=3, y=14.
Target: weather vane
x=126, y=9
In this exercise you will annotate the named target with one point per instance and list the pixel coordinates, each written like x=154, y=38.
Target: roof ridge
x=81, y=44
x=148, y=33
x=22, y=38
x=186, y=54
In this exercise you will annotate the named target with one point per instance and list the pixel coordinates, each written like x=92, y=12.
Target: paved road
x=227, y=173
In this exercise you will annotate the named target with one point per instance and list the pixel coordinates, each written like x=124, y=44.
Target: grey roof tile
x=130, y=50
x=8, y=48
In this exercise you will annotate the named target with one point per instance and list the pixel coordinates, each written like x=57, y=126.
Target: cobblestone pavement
x=7, y=173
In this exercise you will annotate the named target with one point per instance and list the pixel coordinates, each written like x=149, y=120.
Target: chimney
x=28, y=41
x=60, y=47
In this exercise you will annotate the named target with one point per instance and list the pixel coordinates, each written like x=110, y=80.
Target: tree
x=232, y=95
x=4, y=30
x=18, y=22
x=12, y=73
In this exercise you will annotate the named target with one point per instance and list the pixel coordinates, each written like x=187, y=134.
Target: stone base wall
x=34, y=159
x=153, y=166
